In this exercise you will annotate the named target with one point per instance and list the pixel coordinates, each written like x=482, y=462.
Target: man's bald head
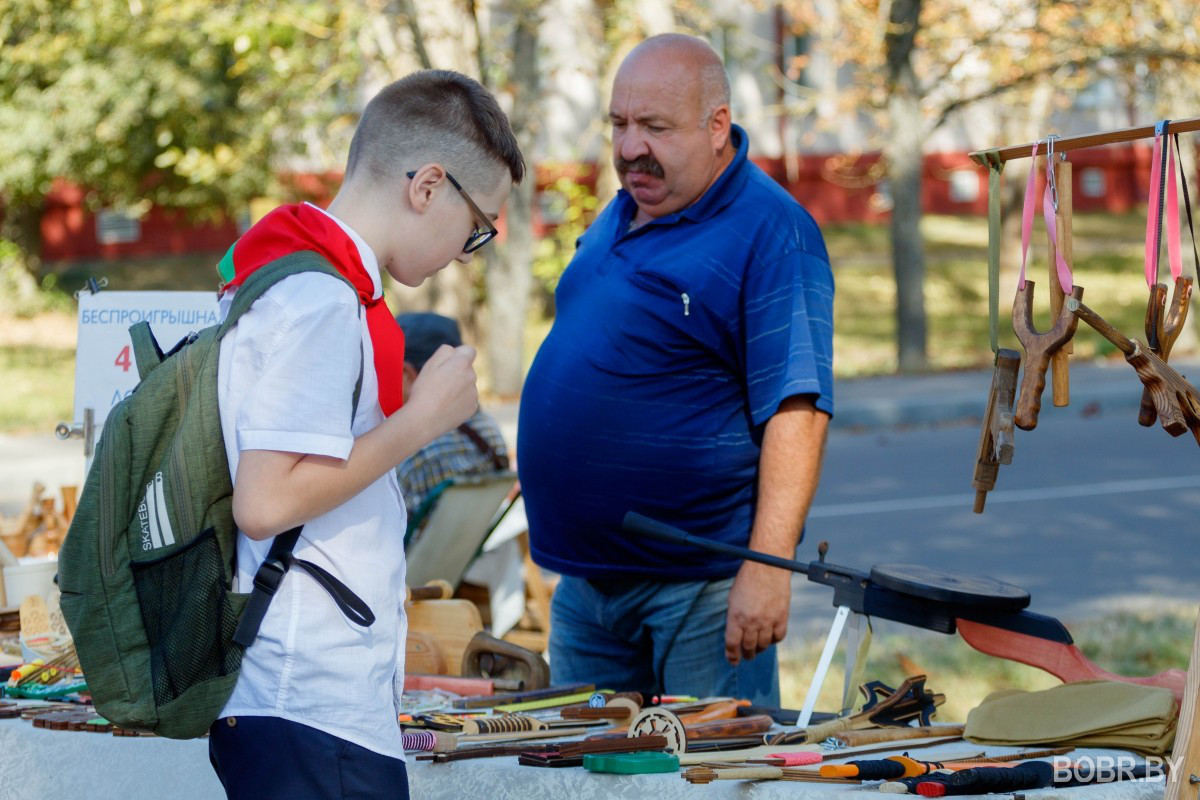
x=697, y=65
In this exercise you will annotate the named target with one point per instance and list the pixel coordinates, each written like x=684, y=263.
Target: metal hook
x=1050, y=168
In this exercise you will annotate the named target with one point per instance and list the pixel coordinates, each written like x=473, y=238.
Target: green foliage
x=39, y=382
x=21, y=294
x=574, y=203
x=184, y=104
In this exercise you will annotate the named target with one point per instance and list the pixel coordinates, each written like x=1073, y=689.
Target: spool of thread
x=797, y=759
x=423, y=741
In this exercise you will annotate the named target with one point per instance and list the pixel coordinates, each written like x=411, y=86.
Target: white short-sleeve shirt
x=285, y=382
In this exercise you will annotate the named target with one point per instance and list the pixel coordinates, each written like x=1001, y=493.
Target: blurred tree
x=916, y=65
x=509, y=272
x=187, y=104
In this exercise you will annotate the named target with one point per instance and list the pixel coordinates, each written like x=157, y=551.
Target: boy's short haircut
x=437, y=116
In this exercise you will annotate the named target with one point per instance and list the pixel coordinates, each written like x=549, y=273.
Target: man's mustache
x=646, y=164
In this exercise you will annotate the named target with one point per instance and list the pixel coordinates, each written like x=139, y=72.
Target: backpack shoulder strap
x=272, y=273
x=146, y=352
x=266, y=581
x=280, y=559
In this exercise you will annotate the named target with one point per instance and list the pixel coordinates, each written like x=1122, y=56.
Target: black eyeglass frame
x=478, y=237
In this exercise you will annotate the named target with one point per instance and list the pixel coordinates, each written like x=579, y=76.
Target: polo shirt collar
x=719, y=195
x=369, y=261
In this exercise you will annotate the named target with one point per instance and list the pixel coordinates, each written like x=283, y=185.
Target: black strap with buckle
x=270, y=574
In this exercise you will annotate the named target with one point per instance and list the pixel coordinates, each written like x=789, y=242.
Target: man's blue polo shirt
x=672, y=346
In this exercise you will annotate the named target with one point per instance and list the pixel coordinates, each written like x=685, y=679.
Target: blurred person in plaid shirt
x=474, y=448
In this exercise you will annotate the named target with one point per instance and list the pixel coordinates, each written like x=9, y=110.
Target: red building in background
x=834, y=188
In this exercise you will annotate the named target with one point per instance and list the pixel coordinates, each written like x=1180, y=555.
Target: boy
x=314, y=711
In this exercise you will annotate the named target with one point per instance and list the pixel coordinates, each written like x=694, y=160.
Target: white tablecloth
x=46, y=765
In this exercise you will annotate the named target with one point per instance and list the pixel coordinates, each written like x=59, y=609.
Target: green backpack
x=147, y=568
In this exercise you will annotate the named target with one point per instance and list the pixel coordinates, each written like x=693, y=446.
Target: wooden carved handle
x=1163, y=326
x=880, y=735
x=729, y=728
x=434, y=590
x=723, y=710
x=1039, y=347
x=1155, y=309
x=1033, y=383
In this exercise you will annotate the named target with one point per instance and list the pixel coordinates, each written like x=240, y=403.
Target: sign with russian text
x=105, y=367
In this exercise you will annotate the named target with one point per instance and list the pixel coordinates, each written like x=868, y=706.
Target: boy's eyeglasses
x=485, y=231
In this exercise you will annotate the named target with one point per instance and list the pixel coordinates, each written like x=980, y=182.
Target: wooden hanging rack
x=1086, y=140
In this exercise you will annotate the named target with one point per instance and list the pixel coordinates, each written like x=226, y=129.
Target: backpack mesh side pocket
x=188, y=619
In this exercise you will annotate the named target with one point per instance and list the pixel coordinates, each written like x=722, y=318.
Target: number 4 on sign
x=123, y=360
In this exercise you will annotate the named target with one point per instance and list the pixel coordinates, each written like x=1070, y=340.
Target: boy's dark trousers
x=262, y=758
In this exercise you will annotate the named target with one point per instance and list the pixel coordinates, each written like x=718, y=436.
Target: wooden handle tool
x=880, y=735
x=1163, y=326
x=1060, y=381
x=996, y=436
x=1039, y=347
x=434, y=590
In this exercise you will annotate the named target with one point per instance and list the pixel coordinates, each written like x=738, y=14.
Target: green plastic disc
x=631, y=763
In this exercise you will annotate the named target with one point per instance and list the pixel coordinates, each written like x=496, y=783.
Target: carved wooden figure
x=1176, y=401
x=1163, y=326
x=1039, y=348
x=996, y=436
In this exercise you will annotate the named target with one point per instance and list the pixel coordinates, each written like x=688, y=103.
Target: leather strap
x=485, y=447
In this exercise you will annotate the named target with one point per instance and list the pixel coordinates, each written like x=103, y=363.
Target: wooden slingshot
x=1176, y=402
x=1163, y=326
x=1039, y=349
x=996, y=436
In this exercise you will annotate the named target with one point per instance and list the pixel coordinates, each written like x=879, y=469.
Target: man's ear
x=718, y=127
x=424, y=184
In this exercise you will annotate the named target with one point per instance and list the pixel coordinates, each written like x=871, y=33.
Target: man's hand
x=445, y=391
x=758, y=610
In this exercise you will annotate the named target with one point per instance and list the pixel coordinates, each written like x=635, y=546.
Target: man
x=474, y=448
x=688, y=376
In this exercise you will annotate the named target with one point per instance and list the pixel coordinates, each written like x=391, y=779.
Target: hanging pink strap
x=1065, y=279
x=1170, y=211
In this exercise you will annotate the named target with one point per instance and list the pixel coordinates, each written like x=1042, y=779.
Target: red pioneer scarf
x=290, y=229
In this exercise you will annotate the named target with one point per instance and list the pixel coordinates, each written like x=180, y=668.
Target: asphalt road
x=1094, y=514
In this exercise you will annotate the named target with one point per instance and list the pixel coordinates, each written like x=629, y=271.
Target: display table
x=46, y=764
